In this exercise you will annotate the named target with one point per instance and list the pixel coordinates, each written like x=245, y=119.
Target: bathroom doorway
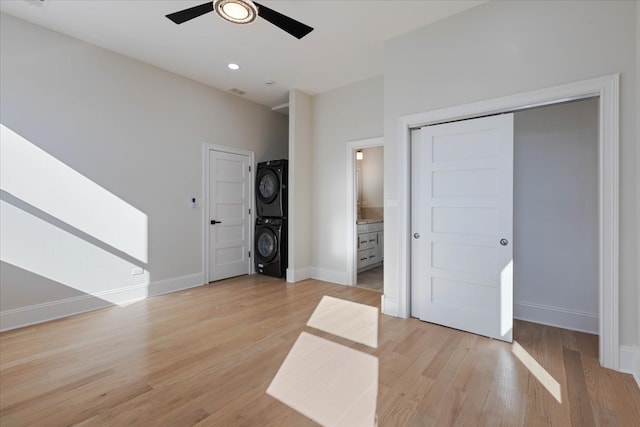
x=366, y=214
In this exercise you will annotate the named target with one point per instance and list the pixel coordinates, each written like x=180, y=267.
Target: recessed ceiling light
x=233, y=66
x=269, y=83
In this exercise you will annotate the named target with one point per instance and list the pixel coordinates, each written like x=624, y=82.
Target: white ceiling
x=346, y=46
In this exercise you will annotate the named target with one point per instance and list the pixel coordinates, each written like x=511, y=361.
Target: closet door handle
x=214, y=222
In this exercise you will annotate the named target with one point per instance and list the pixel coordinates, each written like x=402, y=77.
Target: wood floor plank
x=206, y=356
x=579, y=401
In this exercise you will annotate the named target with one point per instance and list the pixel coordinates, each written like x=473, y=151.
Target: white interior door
x=229, y=220
x=462, y=221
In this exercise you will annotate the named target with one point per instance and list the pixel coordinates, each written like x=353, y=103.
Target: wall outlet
x=135, y=271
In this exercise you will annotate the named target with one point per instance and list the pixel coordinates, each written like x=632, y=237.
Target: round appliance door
x=267, y=245
x=268, y=185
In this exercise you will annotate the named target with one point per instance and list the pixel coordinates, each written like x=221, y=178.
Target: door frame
x=206, y=174
x=352, y=230
x=607, y=90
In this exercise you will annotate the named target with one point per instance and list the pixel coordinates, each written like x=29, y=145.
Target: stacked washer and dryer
x=271, y=224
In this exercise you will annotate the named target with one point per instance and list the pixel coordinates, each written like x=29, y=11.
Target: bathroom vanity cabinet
x=370, y=244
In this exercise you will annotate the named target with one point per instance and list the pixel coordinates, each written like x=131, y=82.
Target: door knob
x=504, y=242
x=416, y=235
x=214, y=222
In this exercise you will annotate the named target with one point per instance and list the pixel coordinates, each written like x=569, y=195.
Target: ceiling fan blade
x=192, y=12
x=295, y=28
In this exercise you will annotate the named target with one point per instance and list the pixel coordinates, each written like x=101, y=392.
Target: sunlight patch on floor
x=332, y=384
x=541, y=374
x=346, y=319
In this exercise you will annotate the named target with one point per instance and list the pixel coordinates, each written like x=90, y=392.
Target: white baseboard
x=337, y=277
x=636, y=370
x=38, y=313
x=30, y=315
x=556, y=316
x=390, y=306
x=630, y=361
x=166, y=286
x=294, y=276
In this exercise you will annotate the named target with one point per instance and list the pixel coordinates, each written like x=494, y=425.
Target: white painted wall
x=503, y=48
x=555, y=215
x=300, y=190
x=129, y=134
x=372, y=169
x=339, y=116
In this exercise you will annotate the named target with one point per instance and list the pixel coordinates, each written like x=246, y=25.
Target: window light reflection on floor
x=347, y=319
x=330, y=383
x=544, y=377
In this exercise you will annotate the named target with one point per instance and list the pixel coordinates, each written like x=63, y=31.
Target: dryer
x=271, y=189
x=271, y=246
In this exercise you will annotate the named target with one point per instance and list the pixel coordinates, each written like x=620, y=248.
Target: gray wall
x=300, y=190
x=503, y=48
x=372, y=172
x=136, y=132
x=339, y=116
x=555, y=215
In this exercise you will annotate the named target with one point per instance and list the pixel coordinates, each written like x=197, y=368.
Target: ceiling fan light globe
x=236, y=11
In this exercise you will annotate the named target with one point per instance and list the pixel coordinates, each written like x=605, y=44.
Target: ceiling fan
x=243, y=12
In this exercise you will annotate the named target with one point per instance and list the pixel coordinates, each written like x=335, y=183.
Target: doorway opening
x=505, y=220
x=555, y=214
x=365, y=214
x=370, y=217
x=397, y=297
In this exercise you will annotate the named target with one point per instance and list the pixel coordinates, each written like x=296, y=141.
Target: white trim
x=30, y=315
x=388, y=304
x=351, y=235
x=337, y=277
x=174, y=284
x=206, y=147
x=636, y=370
x=630, y=361
x=556, y=316
x=294, y=276
x=607, y=90
x=38, y=313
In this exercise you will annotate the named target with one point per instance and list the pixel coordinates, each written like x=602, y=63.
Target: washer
x=271, y=246
x=271, y=189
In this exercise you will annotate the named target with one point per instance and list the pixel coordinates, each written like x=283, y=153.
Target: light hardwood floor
x=206, y=356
